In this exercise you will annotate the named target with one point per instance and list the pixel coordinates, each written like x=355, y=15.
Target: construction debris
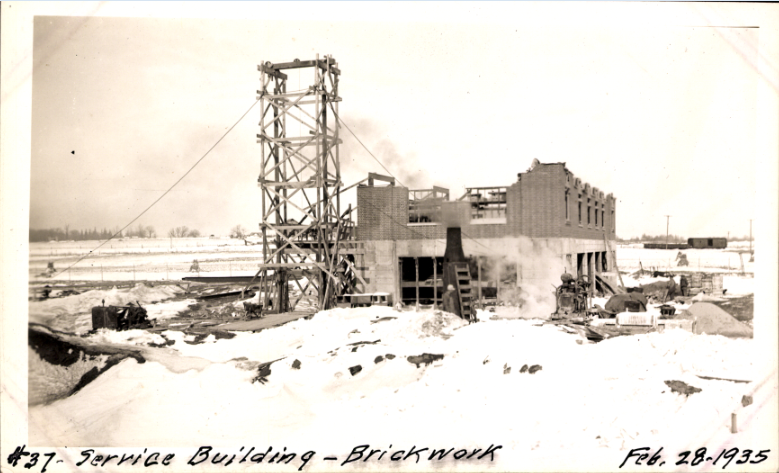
x=680, y=387
x=120, y=317
x=630, y=302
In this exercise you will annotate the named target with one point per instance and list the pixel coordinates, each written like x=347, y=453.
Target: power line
x=363, y=145
x=164, y=194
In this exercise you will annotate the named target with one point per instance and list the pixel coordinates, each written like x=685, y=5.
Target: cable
x=363, y=145
x=164, y=194
x=398, y=180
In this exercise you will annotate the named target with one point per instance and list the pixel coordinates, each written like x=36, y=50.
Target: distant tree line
x=656, y=239
x=674, y=238
x=183, y=232
x=48, y=234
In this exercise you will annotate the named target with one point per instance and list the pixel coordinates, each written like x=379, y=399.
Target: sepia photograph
x=374, y=236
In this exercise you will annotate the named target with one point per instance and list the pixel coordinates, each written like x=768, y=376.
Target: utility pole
x=750, y=236
x=667, y=219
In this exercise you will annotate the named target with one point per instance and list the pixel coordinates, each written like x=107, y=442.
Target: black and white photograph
x=389, y=236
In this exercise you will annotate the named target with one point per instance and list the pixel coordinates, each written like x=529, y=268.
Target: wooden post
x=733, y=423
x=416, y=268
x=614, y=259
x=435, y=283
x=591, y=272
x=478, y=276
x=497, y=284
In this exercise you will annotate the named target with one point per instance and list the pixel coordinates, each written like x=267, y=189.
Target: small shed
x=708, y=242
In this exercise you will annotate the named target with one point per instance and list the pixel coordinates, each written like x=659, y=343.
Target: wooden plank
x=288, y=265
x=289, y=95
x=613, y=258
x=310, y=63
x=441, y=190
x=435, y=281
x=296, y=139
x=478, y=274
x=270, y=320
x=283, y=227
x=372, y=176
x=416, y=280
x=218, y=279
x=271, y=72
x=422, y=284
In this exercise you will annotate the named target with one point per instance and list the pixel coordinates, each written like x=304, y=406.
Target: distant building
x=531, y=231
x=707, y=242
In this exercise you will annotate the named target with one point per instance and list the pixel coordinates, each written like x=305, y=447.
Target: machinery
x=572, y=298
x=120, y=317
x=369, y=299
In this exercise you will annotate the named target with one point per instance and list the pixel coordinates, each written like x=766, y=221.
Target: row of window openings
x=589, y=213
x=421, y=216
x=500, y=212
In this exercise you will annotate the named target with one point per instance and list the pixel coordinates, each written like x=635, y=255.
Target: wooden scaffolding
x=302, y=225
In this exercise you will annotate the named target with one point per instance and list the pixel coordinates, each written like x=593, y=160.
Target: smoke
x=527, y=272
x=357, y=163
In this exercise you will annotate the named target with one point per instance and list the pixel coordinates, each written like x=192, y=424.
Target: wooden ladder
x=464, y=293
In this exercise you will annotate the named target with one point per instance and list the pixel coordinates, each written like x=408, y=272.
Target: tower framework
x=302, y=225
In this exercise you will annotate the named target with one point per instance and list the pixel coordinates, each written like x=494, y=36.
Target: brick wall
x=535, y=207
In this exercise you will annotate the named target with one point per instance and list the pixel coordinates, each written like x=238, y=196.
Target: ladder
x=463, y=278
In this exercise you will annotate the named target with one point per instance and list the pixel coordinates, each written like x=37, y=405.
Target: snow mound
x=712, y=320
x=126, y=337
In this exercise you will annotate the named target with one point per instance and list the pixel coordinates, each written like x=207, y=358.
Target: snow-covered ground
x=631, y=258
x=584, y=406
x=588, y=404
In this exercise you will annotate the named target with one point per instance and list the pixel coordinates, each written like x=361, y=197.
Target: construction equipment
x=369, y=299
x=572, y=297
x=120, y=317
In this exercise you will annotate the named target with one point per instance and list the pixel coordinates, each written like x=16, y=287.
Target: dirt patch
x=680, y=387
x=263, y=371
x=424, y=358
x=65, y=364
x=742, y=308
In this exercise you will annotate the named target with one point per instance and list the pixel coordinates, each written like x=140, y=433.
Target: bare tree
x=179, y=232
x=183, y=232
x=238, y=232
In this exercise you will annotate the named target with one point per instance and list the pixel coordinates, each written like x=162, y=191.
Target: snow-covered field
x=350, y=377
x=632, y=257
x=144, y=259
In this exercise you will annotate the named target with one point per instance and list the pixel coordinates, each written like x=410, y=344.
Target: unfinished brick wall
x=380, y=212
x=535, y=207
x=541, y=205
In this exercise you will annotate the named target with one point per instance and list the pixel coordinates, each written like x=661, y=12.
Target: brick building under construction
x=524, y=234
x=511, y=237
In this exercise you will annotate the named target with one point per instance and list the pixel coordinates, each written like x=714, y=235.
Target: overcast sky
x=663, y=117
